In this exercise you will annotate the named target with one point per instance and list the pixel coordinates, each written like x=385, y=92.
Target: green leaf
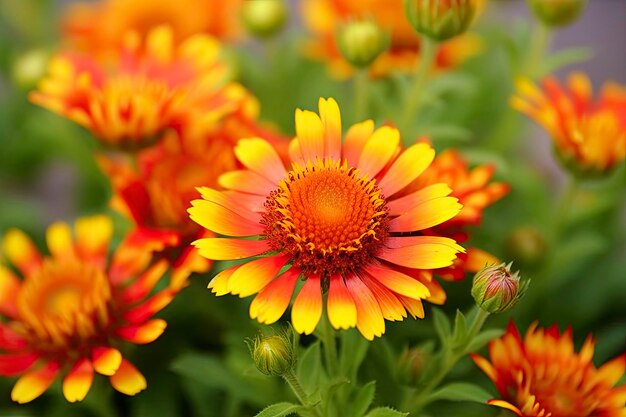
x=278, y=410
x=460, y=329
x=309, y=366
x=353, y=350
x=385, y=412
x=363, y=399
x=565, y=57
x=461, y=391
x=442, y=325
x=482, y=339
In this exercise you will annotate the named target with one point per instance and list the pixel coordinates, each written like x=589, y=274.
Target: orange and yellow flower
x=542, y=376
x=323, y=16
x=588, y=133
x=330, y=220
x=149, y=87
x=116, y=18
x=68, y=312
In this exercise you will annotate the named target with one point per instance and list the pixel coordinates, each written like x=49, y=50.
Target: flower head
x=149, y=87
x=542, y=376
x=361, y=42
x=589, y=134
x=330, y=218
x=264, y=18
x=441, y=19
x=116, y=18
x=322, y=17
x=68, y=312
x=557, y=12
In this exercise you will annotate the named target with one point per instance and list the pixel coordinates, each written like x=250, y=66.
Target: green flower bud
x=275, y=354
x=411, y=363
x=557, y=12
x=440, y=19
x=361, y=42
x=496, y=290
x=30, y=67
x=264, y=18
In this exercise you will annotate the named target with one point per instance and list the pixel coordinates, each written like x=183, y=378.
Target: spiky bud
x=495, y=289
x=557, y=12
x=274, y=354
x=264, y=18
x=440, y=19
x=361, y=42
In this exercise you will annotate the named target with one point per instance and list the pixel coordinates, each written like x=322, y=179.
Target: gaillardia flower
x=150, y=86
x=66, y=313
x=589, y=134
x=332, y=219
x=542, y=376
x=322, y=17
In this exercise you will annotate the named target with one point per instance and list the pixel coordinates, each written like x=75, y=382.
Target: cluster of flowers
x=353, y=220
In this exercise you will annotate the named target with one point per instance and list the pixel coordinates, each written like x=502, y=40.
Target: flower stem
x=539, y=42
x=428, y=53
x=563, y=209
x=330, y=347
x=297, y=389
x=361, y=94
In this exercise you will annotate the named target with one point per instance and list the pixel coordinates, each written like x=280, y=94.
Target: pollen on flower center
x=329, y=216
x=64, y=301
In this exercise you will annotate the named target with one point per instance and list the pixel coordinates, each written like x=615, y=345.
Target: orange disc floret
x=68, y=312
x=542, y=376
x=328, y=218
x=589, y=134
x=115, y=18
x=323, y=16
x=148, y=87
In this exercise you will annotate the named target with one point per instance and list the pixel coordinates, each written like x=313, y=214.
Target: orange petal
x=16, y=363
x=10, y=340
x=77, y=382
x=93, y=235
x=477, y=259
x=404, y=204
x=272, y=301
x=261, y=157
x=409, y=165
x=413, y=306
x=421, y=252
x=20, y=251
x=426, y=214
x=390, y=306
x=220, y=220
x=106, y=360
x=398, y=282
x=144, y=333
x=59, y=240
x=356, y=137
x=506, y=405
x=35, y=383
x=340, y=305
x=224, y=249
x=331, y=119
x=369, y=317
x=128, y=380
x=219, y=283
x=231, y=200
x=485, y=366
x=295, y=154
x=379, y=150
x=151, y=306
x=247, y=182
x=310, y=134
x=612, y=371
x=252, y=276
x=307, y=309
x=252, y=202
x=146, y=282
x=9, y=288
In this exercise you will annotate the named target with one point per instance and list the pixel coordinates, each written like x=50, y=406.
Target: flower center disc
x=64, y=301
x=327, y=216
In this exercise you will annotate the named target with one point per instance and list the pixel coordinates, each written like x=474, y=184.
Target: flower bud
x=361, y=42
x=557, y=12
x=275, y=354
x=441, y=19
x=411, y=364
x=263, y=18
x=30, y=67
x=496, y=290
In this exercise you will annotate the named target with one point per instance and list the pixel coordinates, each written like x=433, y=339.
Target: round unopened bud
x=495, y=289
x=263, y=18
x=275, y=354
x=30, y=67
x=557, y=12
x=441, y=19
x=527, y=245
x=411, y=364
x=361, y=42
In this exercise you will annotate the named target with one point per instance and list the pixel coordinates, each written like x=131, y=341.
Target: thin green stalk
x=330, y=347
x=428, y=52
x=539, y=42
x=297, y=389
x=563, y=209
x=361, y=94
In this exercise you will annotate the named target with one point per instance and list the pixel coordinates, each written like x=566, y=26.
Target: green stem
x=477, y=324
x=297, y=389
x=563, y=210
x=361, y=94
x=330, y=347
x=428, y=52
x=539, y=42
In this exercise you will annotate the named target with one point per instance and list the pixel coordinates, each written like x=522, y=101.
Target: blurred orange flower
x=322, y=18
x=330, y=217
x=68, y=312
x=149, y=87
x=589, y=134
x=542, y=376
x=115, y=18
